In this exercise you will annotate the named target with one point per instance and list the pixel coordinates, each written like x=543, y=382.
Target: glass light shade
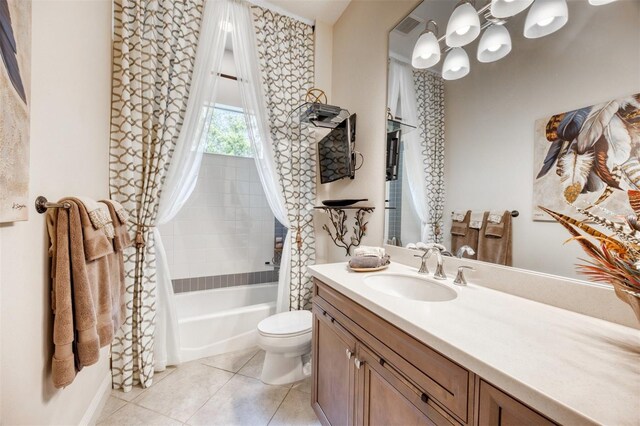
x=494, y=44
x=546, y=17
x=426, y=52
x=456, y=64
x=600, y=2
x=508, y=8
x=463, y=26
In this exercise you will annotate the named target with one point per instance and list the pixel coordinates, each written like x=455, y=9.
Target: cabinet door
x=333, y=391
x=385, y=398
x=496, y=408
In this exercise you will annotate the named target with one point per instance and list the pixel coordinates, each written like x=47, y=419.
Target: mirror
x=477, y=139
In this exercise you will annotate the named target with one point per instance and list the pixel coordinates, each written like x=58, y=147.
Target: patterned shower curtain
x=154, y=48
x=430, y=103
x=286, y=58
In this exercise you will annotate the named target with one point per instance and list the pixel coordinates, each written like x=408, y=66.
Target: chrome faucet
x=423, y=264
x=439, y=273
x=465, y=249
x=460, y=279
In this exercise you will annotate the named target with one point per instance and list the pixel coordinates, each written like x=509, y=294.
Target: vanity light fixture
x=456, y=64
x=600, y=2
x=426, y=52
x=494, y=44
x=545, y=17
x=508, y=8
x=464, y=25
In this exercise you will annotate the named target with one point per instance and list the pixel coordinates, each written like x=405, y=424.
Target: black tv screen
x=335, y=152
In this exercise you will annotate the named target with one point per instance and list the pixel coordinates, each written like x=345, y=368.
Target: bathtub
x=213, y=322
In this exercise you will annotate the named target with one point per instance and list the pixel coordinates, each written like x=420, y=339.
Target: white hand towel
x=495, y=216
x=458, y=215
x=476, y=220
x=369, y=251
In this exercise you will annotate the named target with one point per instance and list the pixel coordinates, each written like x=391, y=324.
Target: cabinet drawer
x=496, y=408
x=441, y=379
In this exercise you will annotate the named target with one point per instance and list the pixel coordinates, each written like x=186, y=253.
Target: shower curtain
x=423, y=158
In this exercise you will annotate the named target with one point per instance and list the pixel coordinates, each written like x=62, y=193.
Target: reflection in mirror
x=499, y=152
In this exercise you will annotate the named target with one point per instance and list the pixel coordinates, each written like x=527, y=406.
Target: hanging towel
x=495, y=216
x=495, y=242
x=462, y=234
x=99, y=215
x=458, y=215
x=476, y=220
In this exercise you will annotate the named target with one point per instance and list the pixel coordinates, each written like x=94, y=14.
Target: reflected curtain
x=154, y=49
x=183, y=172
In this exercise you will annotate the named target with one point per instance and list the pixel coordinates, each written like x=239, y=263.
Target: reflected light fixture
x=508, y=8
x=456, y=64
x=494, y=44
x=463, y=26
x=545, y=17
x=426, y=52
x=600, y=2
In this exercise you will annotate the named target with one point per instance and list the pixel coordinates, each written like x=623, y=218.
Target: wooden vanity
x=367, y=371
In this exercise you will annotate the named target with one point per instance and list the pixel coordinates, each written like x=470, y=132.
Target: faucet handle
x=460, y=279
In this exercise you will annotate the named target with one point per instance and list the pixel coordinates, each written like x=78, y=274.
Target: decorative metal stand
x=338, y=217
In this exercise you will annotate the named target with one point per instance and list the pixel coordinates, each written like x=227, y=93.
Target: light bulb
x=494, y=48
x=546, y=22
x=463, y=26
x=600, y=2
x=463, y=30
x=508, y=8
x=546, y=17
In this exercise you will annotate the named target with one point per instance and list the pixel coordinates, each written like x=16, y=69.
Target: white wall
x=226, y=226
x=359, y=83
x=490, y=116
x=70, y=101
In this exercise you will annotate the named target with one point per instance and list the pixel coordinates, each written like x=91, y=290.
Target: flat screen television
x=336, y=155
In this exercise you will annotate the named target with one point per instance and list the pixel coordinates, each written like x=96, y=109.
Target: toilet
x=286, y=339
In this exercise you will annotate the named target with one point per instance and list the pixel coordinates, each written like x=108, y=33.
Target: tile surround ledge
x=574, y=368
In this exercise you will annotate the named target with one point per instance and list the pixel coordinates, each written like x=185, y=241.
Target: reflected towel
x=458, y=215
x=476, y=220
x=495, y=241
x=462, y=234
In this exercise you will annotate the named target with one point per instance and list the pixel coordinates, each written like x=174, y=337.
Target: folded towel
x=368, y=262
x=459, y=228
x=369, y=251
x=495, y=216
x=476, y=220
x=458, y=215
x=123, y=215
x=99, y=215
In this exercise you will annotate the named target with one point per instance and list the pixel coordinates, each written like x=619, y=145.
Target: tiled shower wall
x=226, y=226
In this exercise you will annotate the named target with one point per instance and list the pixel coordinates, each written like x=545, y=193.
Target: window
x=227, y=133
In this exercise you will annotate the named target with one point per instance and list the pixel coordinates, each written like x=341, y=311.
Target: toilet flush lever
x=349, y=354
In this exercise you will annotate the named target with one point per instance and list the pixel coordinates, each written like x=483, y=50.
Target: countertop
x=573, y=368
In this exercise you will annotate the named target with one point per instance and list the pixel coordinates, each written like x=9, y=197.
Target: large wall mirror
x=472, y=126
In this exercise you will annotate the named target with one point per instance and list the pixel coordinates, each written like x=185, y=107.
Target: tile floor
x=220, y=390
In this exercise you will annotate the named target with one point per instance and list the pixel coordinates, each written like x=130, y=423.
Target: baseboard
x=98, y=402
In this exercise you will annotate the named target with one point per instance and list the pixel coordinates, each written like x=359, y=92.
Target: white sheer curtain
x=402, y=92
x=253, y=102
x=183, y=171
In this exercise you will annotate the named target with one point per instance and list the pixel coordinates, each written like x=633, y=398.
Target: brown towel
x=495, y=242
x=462, y=234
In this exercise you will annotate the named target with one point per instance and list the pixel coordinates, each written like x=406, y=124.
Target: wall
x=359, y=83
x=70, y=101
x=489, y=155
x=226, y=226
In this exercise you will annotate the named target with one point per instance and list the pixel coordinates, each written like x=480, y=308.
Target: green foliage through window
x=227, y=133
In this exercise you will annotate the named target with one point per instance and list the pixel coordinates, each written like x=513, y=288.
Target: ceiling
x=327, y=11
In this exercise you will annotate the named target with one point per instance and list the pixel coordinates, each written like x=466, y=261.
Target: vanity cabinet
x=366, y=371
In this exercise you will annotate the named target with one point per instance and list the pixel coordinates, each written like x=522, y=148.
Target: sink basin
x=410, y=287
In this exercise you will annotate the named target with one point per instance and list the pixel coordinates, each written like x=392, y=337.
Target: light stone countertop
x=573, y=368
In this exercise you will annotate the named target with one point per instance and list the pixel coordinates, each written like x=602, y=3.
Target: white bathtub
x=213, y=322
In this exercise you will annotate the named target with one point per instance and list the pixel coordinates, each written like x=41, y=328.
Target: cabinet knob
x=358, y=363
x=424, y=397
x=349, y=354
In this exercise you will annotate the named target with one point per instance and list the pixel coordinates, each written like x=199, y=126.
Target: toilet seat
x=286, y=324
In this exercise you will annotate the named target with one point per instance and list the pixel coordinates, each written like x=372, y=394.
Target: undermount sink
x=410, y=287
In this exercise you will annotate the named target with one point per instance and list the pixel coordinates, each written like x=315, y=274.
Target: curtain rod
x=272, y=7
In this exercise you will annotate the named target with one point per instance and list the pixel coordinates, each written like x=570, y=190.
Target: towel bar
x=42, y=204
x=514, y=213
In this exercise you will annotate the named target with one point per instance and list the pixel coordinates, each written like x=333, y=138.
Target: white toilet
x=286, y=338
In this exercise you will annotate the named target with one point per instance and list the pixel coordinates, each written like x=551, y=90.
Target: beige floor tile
x=303, y=386
x=232, y=361
x=295, y=411
x=183, y=392
x=158, y=376
x=242, y=401
x=131, y=414
x=135, y=392
x=113, y=404
x=253, y=368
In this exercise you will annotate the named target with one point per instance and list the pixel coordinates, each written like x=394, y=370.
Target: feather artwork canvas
x=15, y=79
x=588, y=158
